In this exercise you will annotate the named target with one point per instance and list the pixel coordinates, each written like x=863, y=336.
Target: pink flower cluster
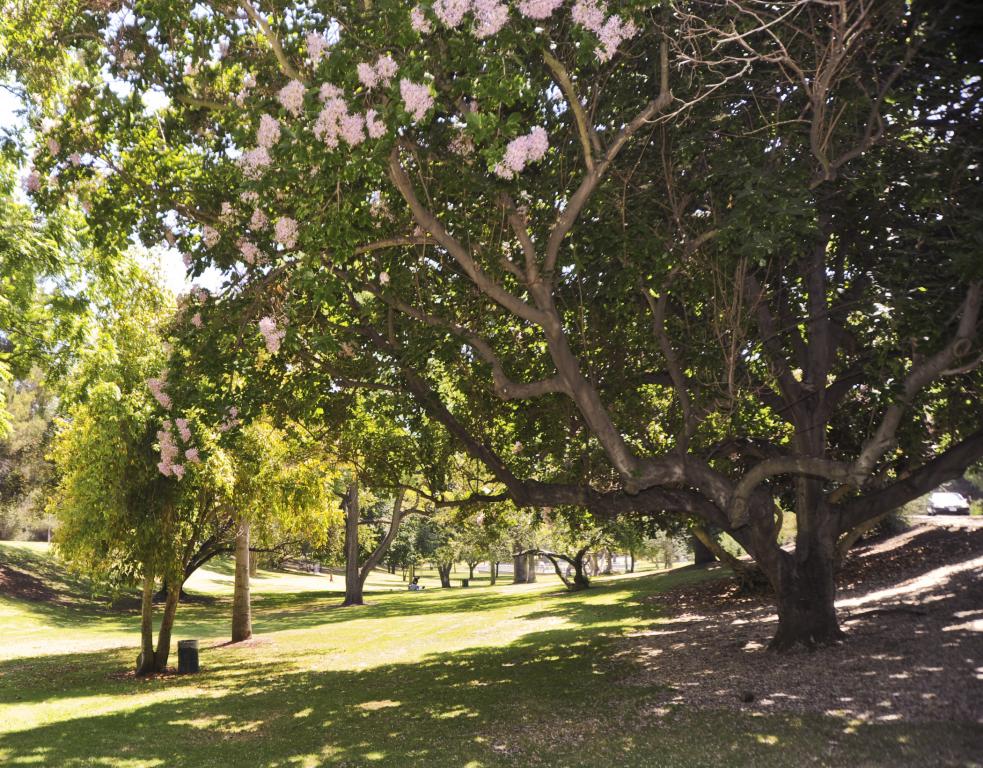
x=285, y=231
x=255, y=161
x=196, y=320
x=611, y=31
x=258, y=220
x=272, y=335
x=382, y=72
x=521, y=151
x=420, y=22
x=451, y=12
x=231, y=420
x=268, y=132
x=538, y=9
x=374, y=125
x=183, y=429
x=291, y=96
x=490, y=16
x=416, y=98
x=156, y=387
x=32, y=182
x=53, y=146
x=335, y=123
x=211, y=236
x=317, y=44
x=250, y=252
x=169, y=451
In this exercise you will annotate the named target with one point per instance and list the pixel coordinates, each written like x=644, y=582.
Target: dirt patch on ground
x=912, y=607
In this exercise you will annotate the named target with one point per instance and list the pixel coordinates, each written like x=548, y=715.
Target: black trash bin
x=464, y=582
x=187, y=657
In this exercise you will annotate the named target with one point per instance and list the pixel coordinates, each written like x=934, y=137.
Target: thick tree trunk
x=353, y=584
x=519, y=563
x=445, y=575
x=166, y=625
x=242, y=624
x=145, y=663
x=806, y=610
x=471, y=567
x=702, y=555
x=532, y=559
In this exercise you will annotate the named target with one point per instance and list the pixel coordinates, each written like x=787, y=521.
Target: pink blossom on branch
x=416, y=98
x=420, y=22
x=317, y=44
x=386, y=68
x=183, y=429
x=192, y=456
x=451, y=12
x=352, y=129
x=375, y=127
x=272, y=335
x=255, y=161
x=491, y=16
x=538, y=9
x=32, y=182
x=521, y=151
x=250, y=253
x=196, y=320
x=268, y=132
x=367, y=75
x=211, y=236
x=156, y=387
x=291, y=96
x=589, y=14
x=285, y=231
x=614, y=32
x=258, y=220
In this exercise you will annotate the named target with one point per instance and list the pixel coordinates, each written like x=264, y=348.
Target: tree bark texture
x=242, y=625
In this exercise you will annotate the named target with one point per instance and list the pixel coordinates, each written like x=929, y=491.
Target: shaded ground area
x=912, y=607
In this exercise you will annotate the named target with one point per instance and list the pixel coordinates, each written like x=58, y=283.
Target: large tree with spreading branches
x=715, y=261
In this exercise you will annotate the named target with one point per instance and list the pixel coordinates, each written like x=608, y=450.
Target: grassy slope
x=491, y=676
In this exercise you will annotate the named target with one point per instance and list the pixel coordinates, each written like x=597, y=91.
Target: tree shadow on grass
x=549, y=698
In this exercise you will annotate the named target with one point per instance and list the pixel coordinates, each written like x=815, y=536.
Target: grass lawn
x=486, y=676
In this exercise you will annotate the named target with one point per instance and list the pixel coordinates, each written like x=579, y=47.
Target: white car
x=947, y=503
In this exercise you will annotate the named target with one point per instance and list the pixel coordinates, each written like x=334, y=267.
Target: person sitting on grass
x=415, y=585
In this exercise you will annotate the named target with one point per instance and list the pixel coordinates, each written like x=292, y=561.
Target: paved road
x=949, y=521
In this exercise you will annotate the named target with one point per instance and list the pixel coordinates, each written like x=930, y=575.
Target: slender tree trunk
x=242, y=624
x=166, y=625
x=253, y=564
x=492, y=572
x=471, y=570
x=580, y=579
x=353, y=584
x=145, y=664
x=631, y=561
x=608, y=564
